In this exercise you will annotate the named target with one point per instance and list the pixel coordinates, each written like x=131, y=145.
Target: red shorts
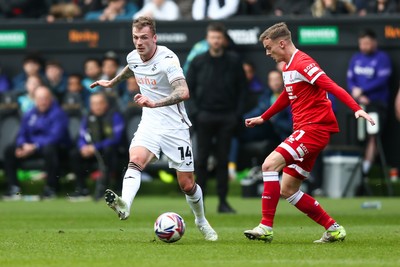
x=301, y=149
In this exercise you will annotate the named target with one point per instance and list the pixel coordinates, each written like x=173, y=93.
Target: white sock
x=195, y=202
x=130, y=186
x=366, y=166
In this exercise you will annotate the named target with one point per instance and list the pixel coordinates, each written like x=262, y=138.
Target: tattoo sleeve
x=180, y=92
x=123, y=75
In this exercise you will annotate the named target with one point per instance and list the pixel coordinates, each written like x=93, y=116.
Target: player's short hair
x=367, y=33
x=278, y=30
x=142, y=22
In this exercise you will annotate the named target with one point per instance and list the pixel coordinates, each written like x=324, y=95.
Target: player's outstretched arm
x=123, y=75
x=365, y=115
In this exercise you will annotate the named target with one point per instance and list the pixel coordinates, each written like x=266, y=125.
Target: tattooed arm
x=180, y=92
x=123, y=75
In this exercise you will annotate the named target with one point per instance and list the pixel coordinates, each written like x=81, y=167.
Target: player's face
x=273, y=49
x=145, y=42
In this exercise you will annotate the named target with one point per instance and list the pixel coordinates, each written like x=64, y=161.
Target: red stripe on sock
x=269, y=201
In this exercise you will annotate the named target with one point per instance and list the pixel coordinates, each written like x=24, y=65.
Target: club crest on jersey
x=154, y=67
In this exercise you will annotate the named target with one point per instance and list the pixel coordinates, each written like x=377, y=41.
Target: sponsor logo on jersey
x=311, y=69
x=145, y=80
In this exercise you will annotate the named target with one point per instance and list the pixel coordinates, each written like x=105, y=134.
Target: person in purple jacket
x=101, y=132
x=43, y=131
x=368, y=78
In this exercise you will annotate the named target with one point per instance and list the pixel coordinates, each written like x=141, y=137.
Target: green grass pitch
x=61, y=233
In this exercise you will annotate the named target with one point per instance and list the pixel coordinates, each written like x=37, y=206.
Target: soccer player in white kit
x=164, y=125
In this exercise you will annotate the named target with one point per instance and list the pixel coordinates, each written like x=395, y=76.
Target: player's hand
x=365, y=115
x=103, y=83
x=143, y=101
x=251, y=122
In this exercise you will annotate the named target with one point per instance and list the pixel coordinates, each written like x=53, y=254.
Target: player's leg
x=308, y=145
x=176, y=145
x=269, y=199
x=143, y=148
x=194, y=197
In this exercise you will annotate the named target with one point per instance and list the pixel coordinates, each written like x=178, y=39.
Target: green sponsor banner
x=318, y=35
x=13, y=39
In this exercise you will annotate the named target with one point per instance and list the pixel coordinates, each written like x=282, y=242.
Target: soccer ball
x=169, y=227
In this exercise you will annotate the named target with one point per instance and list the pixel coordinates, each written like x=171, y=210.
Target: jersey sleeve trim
x=316, y=77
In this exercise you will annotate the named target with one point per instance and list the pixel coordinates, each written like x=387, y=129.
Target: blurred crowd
x=110, y=10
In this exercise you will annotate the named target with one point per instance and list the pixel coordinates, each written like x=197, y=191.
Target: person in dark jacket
x=217, y=83
x=43, y=132
x=368, y=78
x=101, y=132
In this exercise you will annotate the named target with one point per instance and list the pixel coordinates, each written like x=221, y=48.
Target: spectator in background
x=159, y=10
x=202, y=46
x=368, y=77
x=42, y=134
x=291, y=7
x=31, y=65
x=379, y=7
x=214, y=9
x=275, y=130
x=55, y=79
x=217, y=83
x=110, y=67
x=185, y=7
x=256, y=7
x=115, y=10
x=23, y=9
x=92, y=72
x=27, y=101
x=67, y=11
x=132, y=88
x=327, y=8
x=75, y=97
x=87, y=6
x=5, y=84
x=101, y=130
x=255, y=90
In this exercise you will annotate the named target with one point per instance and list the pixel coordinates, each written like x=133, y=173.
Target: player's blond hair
x=142, y=22
x=278, y=30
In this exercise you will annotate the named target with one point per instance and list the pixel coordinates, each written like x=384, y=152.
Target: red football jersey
x=310, y=104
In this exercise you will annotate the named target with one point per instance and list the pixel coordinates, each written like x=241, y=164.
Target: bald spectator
x=42, y=133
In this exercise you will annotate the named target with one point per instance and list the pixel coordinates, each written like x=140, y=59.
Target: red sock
x=311, y=208
x=270, y=197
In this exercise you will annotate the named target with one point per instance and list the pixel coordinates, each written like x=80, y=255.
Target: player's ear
x=155, y=38
x=282, y=43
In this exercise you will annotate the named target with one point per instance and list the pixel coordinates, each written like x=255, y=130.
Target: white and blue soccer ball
x=169, y=227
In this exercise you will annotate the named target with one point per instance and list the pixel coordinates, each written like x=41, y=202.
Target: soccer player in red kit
x=306, y=89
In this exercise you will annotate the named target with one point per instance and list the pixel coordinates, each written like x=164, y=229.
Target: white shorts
x=174, y=144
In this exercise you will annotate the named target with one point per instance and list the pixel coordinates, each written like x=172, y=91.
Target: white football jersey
x=154, y=78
